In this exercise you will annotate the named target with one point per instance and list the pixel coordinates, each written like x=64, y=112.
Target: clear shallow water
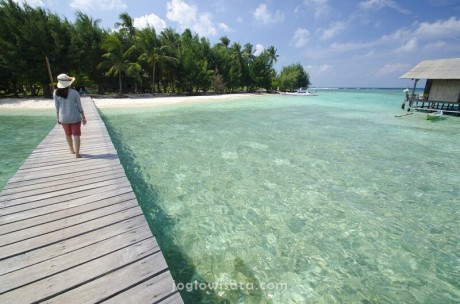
x=331, y=196
x=20, y=132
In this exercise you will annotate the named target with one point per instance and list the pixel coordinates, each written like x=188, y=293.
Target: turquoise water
x=327, y=199
x=20, y=132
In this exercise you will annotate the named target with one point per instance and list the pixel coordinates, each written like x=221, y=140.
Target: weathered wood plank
x=150, y=291
x=21, y=246
x=62, y=247
x=118, y=280
x=87, y=272
x=63, y=184
x=71, y=259
x=61, y=195
x=60, y=212
x=109, y=192
x=69, y=221
x=25, y=186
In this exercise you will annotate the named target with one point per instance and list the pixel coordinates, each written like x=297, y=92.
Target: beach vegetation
x=127, y=59
x=116, y=59
x=293, y=77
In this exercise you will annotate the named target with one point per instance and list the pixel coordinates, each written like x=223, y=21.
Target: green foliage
x=293, y=77
x=166, y=61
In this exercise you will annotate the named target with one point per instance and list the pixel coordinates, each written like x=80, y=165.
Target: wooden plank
x=118, y=280
x=65, y=222
x=150, y=291
x=72, y=259
x=109, y=192
x=75, y=191
x=87, y=272
x=62, y=247
x=63, y=184
x=22, y=246
x=15, y=181
x=25, y=186
x=72, y=230
x=63, y=213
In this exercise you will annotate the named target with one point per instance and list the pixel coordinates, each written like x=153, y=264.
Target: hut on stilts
x=442, y=88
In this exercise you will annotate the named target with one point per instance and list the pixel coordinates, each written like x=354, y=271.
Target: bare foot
x=72, y=151
x=77, y=155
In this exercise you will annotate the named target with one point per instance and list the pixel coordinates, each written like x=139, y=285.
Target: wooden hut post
x=412, y=94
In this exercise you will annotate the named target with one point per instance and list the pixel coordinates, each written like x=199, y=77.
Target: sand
x=41, y=103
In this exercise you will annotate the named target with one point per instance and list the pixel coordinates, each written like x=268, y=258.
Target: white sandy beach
x=42, y=103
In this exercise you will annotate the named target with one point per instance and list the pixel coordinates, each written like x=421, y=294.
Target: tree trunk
x=120, y=91
x=153, y=78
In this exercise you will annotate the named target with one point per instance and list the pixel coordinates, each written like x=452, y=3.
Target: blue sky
x=341, y=43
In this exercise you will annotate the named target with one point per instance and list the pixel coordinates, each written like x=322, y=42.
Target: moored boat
x=300, y=92
x=434, y=115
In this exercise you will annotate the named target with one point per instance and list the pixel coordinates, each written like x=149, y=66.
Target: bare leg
x=76, y=140
x=69, y=142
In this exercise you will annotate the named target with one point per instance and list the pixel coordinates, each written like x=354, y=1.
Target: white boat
x=434, y=115
x=300, y=92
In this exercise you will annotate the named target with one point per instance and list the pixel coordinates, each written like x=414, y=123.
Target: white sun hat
x=64, y=81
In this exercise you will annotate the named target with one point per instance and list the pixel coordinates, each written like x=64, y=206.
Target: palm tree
x=85, y=47
x=172, y=39
x=272, y=56
x=224, y=41
x=117, y=59
x=126, y=24
x=152, y=52
x=157, y=55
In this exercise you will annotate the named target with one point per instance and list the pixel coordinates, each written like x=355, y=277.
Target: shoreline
x=134, y=101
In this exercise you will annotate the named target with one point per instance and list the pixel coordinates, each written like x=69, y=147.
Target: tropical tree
x=293, y=77
x=236, y=66
x=272, y=56
x=171, y=71
x=126, y=24
x=117, y=60
x=262, y=71
x=152, y=52
x=86, y=48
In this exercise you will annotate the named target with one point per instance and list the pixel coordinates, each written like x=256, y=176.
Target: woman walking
x=69, y=112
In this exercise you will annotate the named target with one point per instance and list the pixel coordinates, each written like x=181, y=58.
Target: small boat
x=300, y=92
x=434, y=115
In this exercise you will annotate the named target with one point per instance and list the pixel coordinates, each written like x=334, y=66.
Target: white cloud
x=440, y=28
x=258, y=49
x=423, y=34
x=391, y=68
x=409, y=46
x=187, y=16
x=263, y=16
x=435, y=45
x=324, y=68
x=334, y=29
x=376, y=5
x=370, y=53
x=103, y=5
x=182, y=13
x=150, y=20
x=204, y=26
x=300, y=38
x=32, y=3
x=321, y=7
x=225, y=28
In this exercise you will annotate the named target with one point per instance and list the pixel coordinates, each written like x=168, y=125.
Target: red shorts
x=72, y=129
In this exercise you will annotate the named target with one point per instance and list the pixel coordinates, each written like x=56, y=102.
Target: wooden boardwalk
x=71, y=230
